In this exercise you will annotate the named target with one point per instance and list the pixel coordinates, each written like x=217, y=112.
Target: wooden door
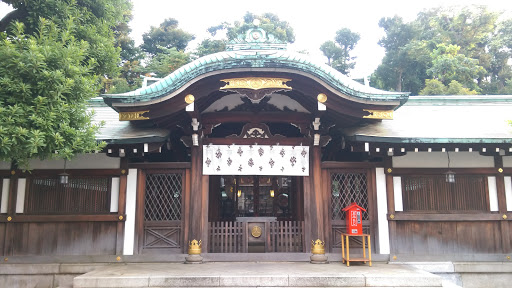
x=346, y=187
x=162, y=212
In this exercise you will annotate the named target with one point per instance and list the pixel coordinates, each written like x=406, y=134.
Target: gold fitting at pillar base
x=118, y=258
x=317, y=246
x=194, y=247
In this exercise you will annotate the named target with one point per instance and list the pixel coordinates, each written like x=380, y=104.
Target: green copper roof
x=443, y=119
x=268, y=60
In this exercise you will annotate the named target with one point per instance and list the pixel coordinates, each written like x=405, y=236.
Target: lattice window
x=82, y=195
x=345, y=189
x=432, y=193
x=163, y=197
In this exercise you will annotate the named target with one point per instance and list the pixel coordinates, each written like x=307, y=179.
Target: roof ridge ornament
x=256, y=39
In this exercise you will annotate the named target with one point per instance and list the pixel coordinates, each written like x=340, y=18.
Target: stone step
x=251, y=274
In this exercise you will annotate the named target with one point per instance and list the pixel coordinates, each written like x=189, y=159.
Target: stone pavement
x=256, y=274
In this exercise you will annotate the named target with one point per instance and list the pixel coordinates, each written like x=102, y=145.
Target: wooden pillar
x=314, y=208
x=390, y=195
x=121, y=208
x=11, y=212
x=198, y=210
x=502, y=204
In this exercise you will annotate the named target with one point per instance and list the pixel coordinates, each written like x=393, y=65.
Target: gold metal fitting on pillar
x=318, y=251
x=194, y=251
x=194, y=247
x=317, y=247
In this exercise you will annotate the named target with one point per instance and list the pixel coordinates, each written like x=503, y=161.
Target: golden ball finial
x=189, y=99
x=321, y=98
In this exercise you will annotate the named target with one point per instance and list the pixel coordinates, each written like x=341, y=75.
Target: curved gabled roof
x=273, y=60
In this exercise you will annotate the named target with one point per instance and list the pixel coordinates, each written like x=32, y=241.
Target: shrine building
x=255, y=151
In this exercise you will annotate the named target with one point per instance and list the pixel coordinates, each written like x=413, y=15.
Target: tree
x=94, y=23
x=210, y=46
x=338, y=52
x=45, y=81
x=268, y=22
x=403, y=67
x=425, y=48
x=166, y=62
x=449, y=65
x=167, y=35
x=436, y=87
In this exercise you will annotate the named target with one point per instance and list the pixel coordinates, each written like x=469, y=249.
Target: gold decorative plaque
x=256, y=83
x=379, y=114
x=256, y=231
x=130, y=116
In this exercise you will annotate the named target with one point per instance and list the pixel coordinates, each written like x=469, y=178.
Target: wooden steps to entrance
x=256, y=274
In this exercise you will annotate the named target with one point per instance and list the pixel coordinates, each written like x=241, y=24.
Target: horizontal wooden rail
x=439, y=171
x=452, y=217
x=71, y=172
x=62, y=218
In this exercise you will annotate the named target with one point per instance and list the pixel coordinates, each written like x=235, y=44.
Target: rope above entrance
x=256, y=160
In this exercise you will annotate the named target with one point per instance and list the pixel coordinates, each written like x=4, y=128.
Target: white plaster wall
x=507, y=161
x=5, y=165
x=508, y=192
x=382, y=209
x=20, y=200
x=397, y=191
x=129, y=225
x=5, y=195
x=440, y=160
x=493, y=193
x=82, y=161
x=114, y=195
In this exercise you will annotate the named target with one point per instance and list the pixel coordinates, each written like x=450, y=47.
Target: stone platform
x=256, y=274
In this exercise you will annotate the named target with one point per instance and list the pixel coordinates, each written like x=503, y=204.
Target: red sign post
x=353, y=218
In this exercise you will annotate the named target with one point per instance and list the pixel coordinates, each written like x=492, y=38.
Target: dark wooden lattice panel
x=162, y=235
x=82, y=195
x=347, y=188
x=338, y=229
x=163, y=197
x=432, y=193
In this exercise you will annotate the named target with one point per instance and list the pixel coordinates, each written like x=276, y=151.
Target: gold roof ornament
x=189, y=99
x=256, y=83
x=321, y=98
x=317, y=246
x=130, y=116
x=379, y=114
x=194, y=247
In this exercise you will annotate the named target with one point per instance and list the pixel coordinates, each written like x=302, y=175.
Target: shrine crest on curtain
x=255, y=160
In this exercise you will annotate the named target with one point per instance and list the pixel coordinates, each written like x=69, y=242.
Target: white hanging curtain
x=256, y=160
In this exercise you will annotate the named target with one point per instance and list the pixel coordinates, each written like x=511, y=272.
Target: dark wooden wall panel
x=438, y=238
x=64, y=238
x=2, y=236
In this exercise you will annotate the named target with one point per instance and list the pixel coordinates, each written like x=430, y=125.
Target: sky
x=313, y=21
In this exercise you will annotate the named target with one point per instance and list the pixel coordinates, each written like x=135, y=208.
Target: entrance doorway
x=256, y=214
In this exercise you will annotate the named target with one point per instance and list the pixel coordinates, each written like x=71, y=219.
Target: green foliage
x=166, y=62
x=167, y=35
x=449, y=65
x=209, y=46
x=338, y=52
x=268, y=22
x=436, y=87
x=45, y=81
x=94, y=23
x=129, y=79
x=468, y=45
